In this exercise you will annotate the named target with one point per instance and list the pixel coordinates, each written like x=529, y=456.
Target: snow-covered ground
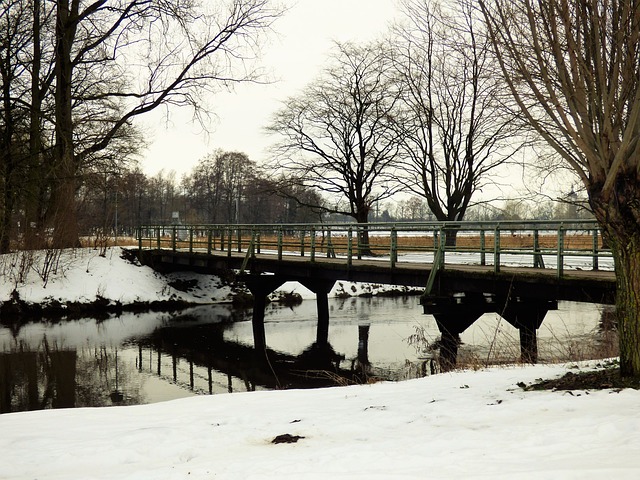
x=473, y=424
x=82, y=275
x=467, y=424
x=85, y=274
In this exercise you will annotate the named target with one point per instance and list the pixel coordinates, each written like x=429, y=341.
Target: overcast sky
x=295, y=56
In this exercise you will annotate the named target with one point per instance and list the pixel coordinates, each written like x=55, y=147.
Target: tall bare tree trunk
x=63, y=209
x=620, y=220
x=628, y=304
x=33, y=228
x=7, y=157
x=362, y=218
x=4, y=208
x=5, y=182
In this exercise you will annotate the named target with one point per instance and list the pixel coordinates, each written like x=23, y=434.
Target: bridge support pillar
x=456, y=313
x=527, y=316
x=451, y=325
x=453, y=316
x=321, y=288
x=261, y=286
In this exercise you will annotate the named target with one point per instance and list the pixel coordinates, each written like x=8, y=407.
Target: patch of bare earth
x=605, y=378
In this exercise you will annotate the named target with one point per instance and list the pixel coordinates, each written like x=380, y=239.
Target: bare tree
x=218, y=185
x=157, y=52
x=455, y=129
x=338, y=136
x=573, y=66
x=204, y=187
x=77, y=73
x=15, y=40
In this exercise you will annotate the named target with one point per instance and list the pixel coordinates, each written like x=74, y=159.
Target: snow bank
x=472, y=425
x=84, y=275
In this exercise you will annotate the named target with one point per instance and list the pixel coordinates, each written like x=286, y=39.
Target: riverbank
x=70, y=283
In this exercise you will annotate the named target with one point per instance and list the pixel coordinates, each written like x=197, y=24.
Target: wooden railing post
x=538, y=261
x=302, y=233
x=483, y=260
x=313, y=244
x=210, y=245
x=158, y=237
x=496, y=249
x=560, y=266
x=280, y=243
x=173, y=238
x=435, y=268
x=239, y=237
x=250, y=251
x=394, y=246
x=190, y=239
x=350, y=246
x=229, y=241
x=442, y=247
x=595, y=250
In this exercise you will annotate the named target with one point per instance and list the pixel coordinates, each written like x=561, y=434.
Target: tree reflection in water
x=52, y=376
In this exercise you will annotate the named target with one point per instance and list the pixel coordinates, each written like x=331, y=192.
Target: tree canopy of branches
x=573, y=66
x=454, y=128
x=218, y=183
x=338, y=135
x=227, y=187
x=82, y=71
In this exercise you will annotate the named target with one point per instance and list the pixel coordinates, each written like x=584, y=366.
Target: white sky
x=303, y=39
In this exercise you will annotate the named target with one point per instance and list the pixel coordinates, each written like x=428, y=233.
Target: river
x=152, y=357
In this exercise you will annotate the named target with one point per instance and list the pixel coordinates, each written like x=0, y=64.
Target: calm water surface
x=145, y=358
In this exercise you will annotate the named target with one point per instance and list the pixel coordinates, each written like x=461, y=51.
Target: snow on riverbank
x=84, y=275
x=471, y=425
x=80, y=275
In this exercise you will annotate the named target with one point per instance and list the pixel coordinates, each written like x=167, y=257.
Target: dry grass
x=109, y=242
x=562, y=346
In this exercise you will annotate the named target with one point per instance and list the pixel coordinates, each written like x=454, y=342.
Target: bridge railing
x=573, y=244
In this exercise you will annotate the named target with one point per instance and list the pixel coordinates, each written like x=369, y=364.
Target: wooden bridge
x=519, y=269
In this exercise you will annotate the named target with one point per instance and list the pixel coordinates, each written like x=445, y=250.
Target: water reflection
x=206, y=355
x=51, y=376
x=145, y=358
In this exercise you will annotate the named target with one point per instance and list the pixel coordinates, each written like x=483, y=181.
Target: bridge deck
x=575, y=285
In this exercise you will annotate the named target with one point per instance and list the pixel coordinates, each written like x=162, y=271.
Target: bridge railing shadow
x=572, y=244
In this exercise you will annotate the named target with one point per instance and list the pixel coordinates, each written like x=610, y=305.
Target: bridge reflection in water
x=210, y=357
x=193, y=356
